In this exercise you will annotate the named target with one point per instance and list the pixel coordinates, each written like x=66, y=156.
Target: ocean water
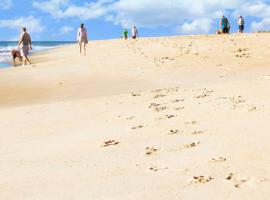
x=6, y=48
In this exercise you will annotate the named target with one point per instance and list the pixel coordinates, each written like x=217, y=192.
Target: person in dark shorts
x=225, y=25
x=134, y=32
x=25, y=45
x=241, y=24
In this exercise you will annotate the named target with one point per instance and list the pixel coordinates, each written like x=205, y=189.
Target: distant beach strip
x=6, y=48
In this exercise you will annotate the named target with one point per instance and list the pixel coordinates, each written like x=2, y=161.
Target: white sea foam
x=7, y=47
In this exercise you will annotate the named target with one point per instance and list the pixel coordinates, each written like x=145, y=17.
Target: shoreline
x=6, y=64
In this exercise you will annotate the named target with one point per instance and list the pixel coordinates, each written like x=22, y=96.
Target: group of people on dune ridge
x=134, y=33
x=225, y=25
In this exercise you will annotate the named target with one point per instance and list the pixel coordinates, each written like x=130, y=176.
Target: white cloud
x=196, y=26
x=263, y=25
x=256, y=8
x=147, y=13
x=30, y=22
x=66, y=29
x=65, y=9
x=5, y=4
x=188, y=15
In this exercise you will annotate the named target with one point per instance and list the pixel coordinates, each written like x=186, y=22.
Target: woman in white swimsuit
x=82, y=38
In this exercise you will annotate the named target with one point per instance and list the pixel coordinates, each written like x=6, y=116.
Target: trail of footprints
x=236, y=103
x=179, y=49
x=242, y=53
x=190, y=128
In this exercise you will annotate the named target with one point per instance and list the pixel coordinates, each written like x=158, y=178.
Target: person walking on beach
x=82, y=39
x=126, y=34
x=25, y=45
x=134, y=32
x=241, y=24
x=225, y=25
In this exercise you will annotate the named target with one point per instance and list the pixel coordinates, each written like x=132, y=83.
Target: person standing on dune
x=82, y=39
x=225, y=25
x=134, y=32
x=126, y=34
x=241, y=24
x=25, y=44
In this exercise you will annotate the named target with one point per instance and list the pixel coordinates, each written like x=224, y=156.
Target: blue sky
x=58, y=20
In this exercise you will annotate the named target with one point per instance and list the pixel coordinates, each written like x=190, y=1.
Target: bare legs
x=82, y=48
x=26, y=61
x=80, y=45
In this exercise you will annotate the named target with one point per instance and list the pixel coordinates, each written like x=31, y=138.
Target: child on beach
x=25, y=44
x=126, y=34
x=82, y=38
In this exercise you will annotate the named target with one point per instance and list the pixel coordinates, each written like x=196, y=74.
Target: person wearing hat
x=241, y=24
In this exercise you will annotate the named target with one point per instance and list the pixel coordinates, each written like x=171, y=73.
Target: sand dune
x=157, y=118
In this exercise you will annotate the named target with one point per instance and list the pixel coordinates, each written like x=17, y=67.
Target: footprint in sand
x=130, y=118
x=110, y=143
x=198, y=132
x=251, y=108
x=151, y=150
x=152, y=105
x=136, y=94
x=159, y=109
x=191, y=145
x=159, y=96
x=205, y=93
x=180, y=108
x=174, y=132
x=168, y=58
x=237, y=181
x=191, y=122
x=170, y=116
x=158, y=90
x=155, y=168
x=186, y=146
x=166, y=117
x=218, y=160
x=178, y=100
x=137, y=127
x=202, y=179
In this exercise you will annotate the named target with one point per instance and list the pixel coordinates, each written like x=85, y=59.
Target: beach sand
x=157, y=118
